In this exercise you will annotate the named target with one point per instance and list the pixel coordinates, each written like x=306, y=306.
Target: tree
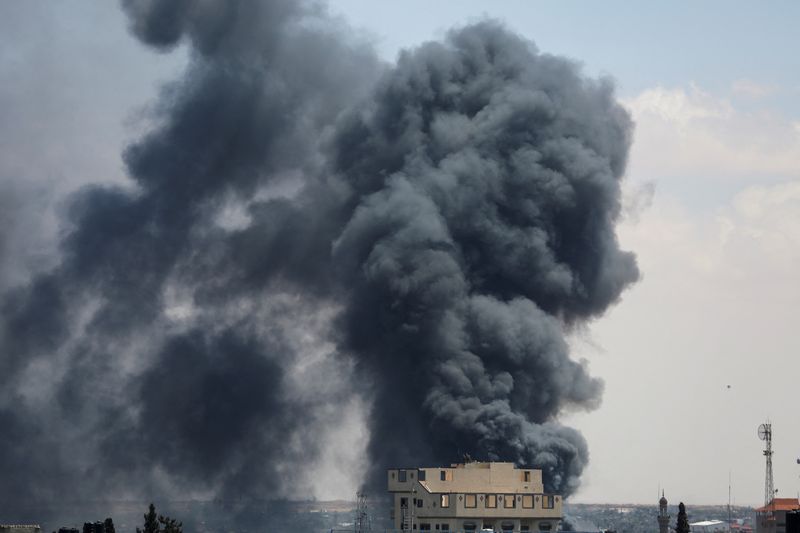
x=150, y=521
x=170, y=525
x=683, y=520
x=153, y=523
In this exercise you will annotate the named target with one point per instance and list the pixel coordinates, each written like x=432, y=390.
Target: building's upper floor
x=474, y=477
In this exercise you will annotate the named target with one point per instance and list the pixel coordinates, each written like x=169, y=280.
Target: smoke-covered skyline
x=301, y=216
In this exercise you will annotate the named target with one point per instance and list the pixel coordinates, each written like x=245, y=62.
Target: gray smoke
x=437, y=225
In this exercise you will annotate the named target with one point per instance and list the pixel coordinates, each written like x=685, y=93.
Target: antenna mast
x=765, y=434
x=361, y=524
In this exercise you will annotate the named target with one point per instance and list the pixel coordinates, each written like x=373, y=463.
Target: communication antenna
x=729, y=498
x=361, y=524
x=765, y=434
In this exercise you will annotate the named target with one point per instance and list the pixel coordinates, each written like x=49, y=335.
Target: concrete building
x=472, y=497
x=20, y=528
x=772, y=518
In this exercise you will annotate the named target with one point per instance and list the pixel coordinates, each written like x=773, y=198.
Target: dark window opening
x=421, y=475
x=401, y=476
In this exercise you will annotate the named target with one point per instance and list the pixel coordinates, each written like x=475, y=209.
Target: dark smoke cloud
x=437, y=225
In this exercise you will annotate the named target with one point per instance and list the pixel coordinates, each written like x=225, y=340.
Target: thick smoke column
x=446, y=220
x=487, y=178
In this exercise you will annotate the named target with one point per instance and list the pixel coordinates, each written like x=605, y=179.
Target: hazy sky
x=695, y=356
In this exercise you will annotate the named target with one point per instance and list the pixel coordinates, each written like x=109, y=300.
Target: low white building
x=710, y=526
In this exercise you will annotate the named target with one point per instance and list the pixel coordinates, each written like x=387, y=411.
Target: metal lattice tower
x=362, y=522
x=765, y=434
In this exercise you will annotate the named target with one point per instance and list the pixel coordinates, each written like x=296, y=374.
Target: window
x=508, y=501
x=488, y=525
x=424, y=527
x=470, y=501
x=527, y=501
x=545, y=526
x=526, y=476
x=401, y=476
x=547, y=501
x=507, y=526
x=470, y=526
x=444, y=500
x=525, y=528
x=421, y=475
x=404, y=503
x=445, y=527
x=419, y=503
x=445, y=475
x=491, y=501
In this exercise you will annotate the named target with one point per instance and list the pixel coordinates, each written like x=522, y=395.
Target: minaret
x=663, y=517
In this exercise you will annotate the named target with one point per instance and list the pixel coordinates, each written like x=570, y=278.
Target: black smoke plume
x=436, y=226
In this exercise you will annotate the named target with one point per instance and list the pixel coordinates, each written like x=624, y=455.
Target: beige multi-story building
x=472, y=497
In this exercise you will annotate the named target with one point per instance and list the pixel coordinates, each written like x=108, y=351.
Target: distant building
x=68, y=530
x=772, y=518
x=709, y=526
x=741, y=525
x=99, y=527
x=663, y=516
x=472, y=496
x=20, y=528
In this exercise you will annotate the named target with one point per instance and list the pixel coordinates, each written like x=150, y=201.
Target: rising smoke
x=436, y=226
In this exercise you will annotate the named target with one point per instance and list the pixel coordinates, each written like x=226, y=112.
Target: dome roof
x=663, y=500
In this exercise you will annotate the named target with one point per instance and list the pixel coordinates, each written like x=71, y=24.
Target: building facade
x=772, y=518
x=472, y=497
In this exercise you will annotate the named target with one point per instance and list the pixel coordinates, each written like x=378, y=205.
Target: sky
x=695, y=355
